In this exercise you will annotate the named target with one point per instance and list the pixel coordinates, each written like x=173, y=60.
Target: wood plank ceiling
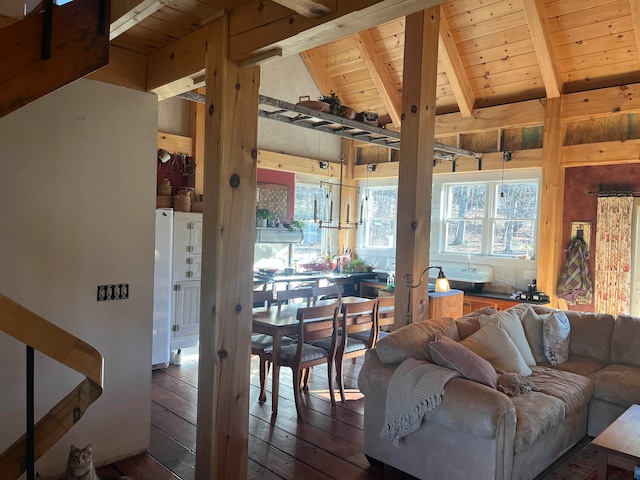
x=491, y=51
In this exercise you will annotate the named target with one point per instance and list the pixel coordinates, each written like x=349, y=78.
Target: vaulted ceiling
x=491, y=51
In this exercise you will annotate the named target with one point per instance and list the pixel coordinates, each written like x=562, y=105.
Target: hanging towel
x=574, y=284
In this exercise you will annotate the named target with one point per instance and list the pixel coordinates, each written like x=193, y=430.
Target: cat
x=80, y=465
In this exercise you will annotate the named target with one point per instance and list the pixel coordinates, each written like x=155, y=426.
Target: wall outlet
x=116, y=291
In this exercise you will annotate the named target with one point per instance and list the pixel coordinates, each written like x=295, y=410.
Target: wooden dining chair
x=260, y=297
x=283, y=296
x=330, y=291
x=355, y=318
x=385, y=319
x=314, y=323
x=261, y=343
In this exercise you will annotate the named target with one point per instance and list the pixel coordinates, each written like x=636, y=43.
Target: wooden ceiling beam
x=126, y=14
x=178, y=67
x=6, y=21
x=317, y=68
x=390, y=97
x=603, y=102
x=521, y=114
x=264, y=25
x=454, y=69
x=309, y=8
x=540, y=35
x=125, y=68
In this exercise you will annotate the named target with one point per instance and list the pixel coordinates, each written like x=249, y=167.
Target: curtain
x=613, y=255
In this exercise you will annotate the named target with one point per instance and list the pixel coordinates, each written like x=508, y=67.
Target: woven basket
x=163, y=201
x=182, y=203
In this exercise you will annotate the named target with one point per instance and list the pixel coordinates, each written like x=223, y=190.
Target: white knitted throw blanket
x=415, y=388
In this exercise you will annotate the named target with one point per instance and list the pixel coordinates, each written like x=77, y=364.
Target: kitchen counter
x=504, y=296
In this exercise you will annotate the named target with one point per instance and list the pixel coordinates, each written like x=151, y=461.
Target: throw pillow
x=470, y=323
x=494, y=345
x=555, y=337
x=449, y=353
x=510, y=321
x=413, y=340
x=532, y=323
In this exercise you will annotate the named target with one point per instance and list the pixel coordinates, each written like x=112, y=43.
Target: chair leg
x=297, y=378
x=340, y=378
x=264, y=373
x=307, y=378
x=330, y=378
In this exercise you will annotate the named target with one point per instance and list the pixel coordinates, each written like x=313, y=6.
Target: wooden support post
x=550, y=251
x=230, y=152
x=416, y=160
x=196, y=131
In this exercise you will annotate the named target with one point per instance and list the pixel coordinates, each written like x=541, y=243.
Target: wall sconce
x=371, y=167
x=506, y=156
x=324, y=165
x=442, y=285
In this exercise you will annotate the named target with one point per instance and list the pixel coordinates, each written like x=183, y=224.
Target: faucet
x=469, y=267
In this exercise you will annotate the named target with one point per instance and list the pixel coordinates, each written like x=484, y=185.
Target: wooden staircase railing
x=36, y=332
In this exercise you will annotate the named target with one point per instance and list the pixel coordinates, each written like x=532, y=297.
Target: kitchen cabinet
x=186, y=273
x=472, y=303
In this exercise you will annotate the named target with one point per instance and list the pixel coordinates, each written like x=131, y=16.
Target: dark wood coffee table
x=620, y=439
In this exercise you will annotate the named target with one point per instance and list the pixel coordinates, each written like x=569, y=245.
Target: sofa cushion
x=572, y=389
x=580, y=365
x=470, y=323
x=413, y=340
x=556, y=332
x=618, y=384
x=537, y=413
x=494, y=345
x=624, y=344
x=510, y=321
x=532, y=324
x=591, y=334
x=451, y=354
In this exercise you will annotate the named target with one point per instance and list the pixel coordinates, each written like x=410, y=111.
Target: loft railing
x=39, y=334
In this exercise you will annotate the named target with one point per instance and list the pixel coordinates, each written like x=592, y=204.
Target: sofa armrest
x=466, y=405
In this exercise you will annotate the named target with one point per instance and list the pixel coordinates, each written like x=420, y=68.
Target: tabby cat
x=80, y=465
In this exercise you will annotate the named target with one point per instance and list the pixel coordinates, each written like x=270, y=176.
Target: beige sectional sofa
x=478, y=432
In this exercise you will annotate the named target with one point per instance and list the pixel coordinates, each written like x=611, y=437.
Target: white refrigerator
x=160, y=354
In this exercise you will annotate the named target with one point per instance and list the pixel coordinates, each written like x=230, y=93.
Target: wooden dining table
x=280, y=322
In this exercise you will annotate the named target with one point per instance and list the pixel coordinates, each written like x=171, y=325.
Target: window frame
x=490, y=218
x=368, y=199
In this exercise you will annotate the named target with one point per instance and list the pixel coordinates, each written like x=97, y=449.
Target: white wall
x=288, y=79
x=77, y=192
x=173, y=116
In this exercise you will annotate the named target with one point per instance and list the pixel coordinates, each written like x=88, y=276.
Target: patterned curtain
x=613, y=255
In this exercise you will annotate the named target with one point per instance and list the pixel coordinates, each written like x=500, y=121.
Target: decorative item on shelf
x=325, y=219
x=356, y=266
x=318, y=105
x=272, y=220
x=442, y=285
x=294, y=225
x=183, y=199
x=370, y=118
x=335, y=106
x=164, y=187
x=262, y=215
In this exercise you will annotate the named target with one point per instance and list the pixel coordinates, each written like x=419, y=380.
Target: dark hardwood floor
x=328, y=444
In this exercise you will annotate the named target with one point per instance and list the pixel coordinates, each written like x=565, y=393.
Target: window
x=465, y=218
x=381, y=212
x=514, y=219
x=312, y=242
x=491, y=218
